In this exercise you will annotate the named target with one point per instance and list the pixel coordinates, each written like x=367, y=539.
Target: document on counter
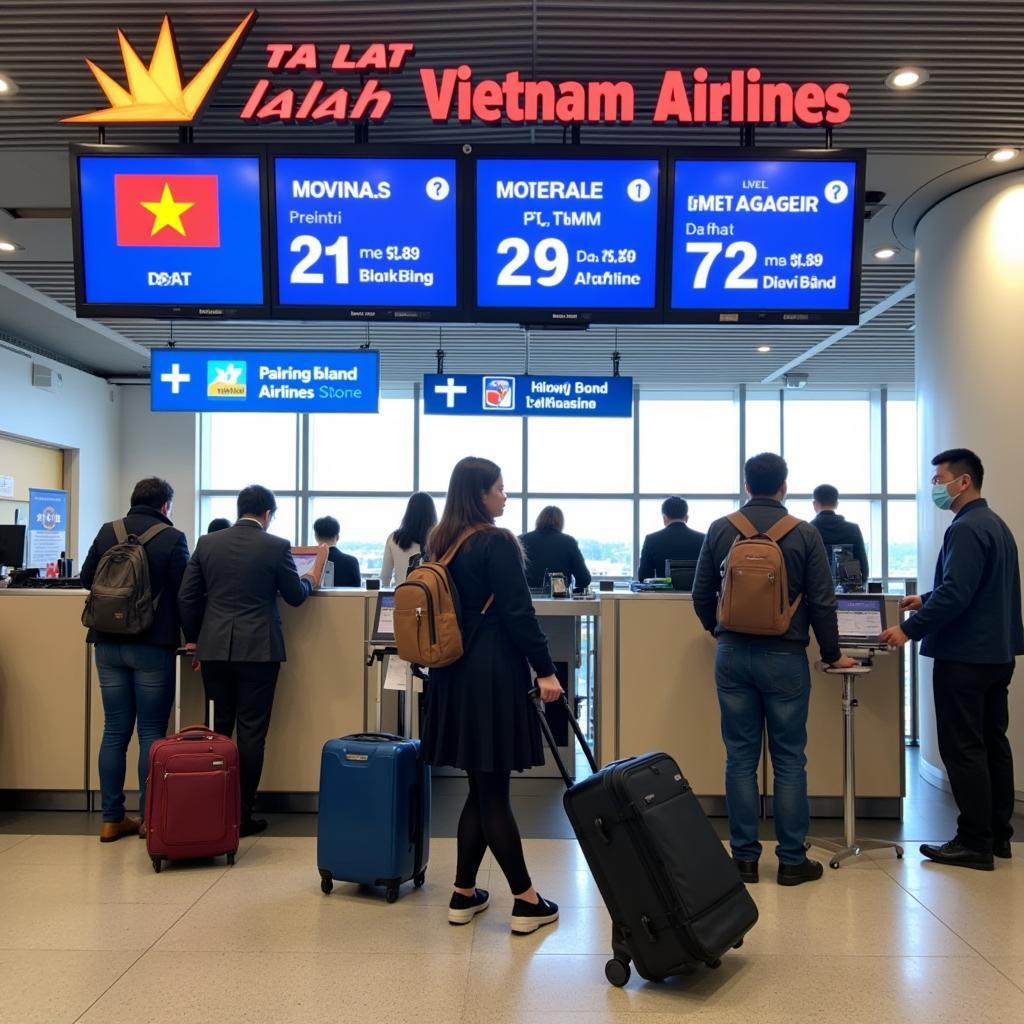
x=399, y=675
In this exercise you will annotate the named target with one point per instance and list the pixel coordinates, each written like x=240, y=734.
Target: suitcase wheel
x=326, y=882
x=231, y=860
x=419, y=879
x=392, y=894
x=617, y=972
x=158, y=863
x=713, y=964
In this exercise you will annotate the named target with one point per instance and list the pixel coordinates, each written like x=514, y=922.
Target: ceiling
x=922, y=145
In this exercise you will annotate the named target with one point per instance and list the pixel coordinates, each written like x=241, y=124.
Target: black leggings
x=487, y=820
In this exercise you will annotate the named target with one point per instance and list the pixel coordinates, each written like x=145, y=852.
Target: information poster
x=47, y=526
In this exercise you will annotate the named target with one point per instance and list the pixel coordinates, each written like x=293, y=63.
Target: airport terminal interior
x=618, y=249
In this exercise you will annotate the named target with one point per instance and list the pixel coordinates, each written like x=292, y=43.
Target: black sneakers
x=747, y=870
x=528, y=917
x=956, y=855
x=796, y=874
x=462, y=909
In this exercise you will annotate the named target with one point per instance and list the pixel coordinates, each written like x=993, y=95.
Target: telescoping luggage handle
x=550, y=738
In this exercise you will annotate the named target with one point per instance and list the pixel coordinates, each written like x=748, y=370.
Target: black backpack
x=120, y=599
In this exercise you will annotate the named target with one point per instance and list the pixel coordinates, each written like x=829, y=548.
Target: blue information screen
x=768, y=234
x=171, y=230
x=366, y=232
x=572, y=234
x=251, y=380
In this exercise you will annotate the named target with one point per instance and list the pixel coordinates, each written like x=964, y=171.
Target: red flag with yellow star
x=167, y=210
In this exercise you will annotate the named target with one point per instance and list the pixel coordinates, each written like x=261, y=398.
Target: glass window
x=363, y=451
x=764, y=422
x=828, y=440
x=284, y=524
x=904, y=469
x=366, y=524
x=866, y=514
x=243, y=448
x=603, y=527
x=689, y=444
x=446, y=439
x=903, y=539
x=703, y=512
x=602, y=455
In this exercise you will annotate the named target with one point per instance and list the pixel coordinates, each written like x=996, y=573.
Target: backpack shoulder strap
x=779, y=530
x=743, y=524
x=120, y=530
x=146, y=537
x=454, y=549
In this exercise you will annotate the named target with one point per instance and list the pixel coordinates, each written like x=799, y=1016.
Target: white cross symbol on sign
x=450, y=390
x=175, y=378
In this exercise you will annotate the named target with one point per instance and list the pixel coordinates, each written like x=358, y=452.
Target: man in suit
x=834, y=529
x=327, y=530
x=228, y=604
x=677, y=540
x=550, y=550
x=137, y=671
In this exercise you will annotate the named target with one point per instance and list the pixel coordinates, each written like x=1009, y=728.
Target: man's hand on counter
x=845, y=661
x=316, y=574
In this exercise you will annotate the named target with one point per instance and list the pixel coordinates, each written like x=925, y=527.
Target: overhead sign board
x=251, y=380
x=526, y=395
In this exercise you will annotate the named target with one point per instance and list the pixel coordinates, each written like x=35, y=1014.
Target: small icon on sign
x=175, y=378
x=836, y=191
x=499, y=393
x=639, y=190
x=450, y=390
x=438, y=188
x=225, y=379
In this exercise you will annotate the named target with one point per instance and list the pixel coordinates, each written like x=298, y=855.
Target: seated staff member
x=218, y=524
x=548, y=550
x=409, y=540
x=834, y=528
x=228, y=605
x=676, y=540
x=327, y=530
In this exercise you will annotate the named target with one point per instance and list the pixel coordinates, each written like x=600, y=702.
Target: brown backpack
x=428, y=619
x=755, y=587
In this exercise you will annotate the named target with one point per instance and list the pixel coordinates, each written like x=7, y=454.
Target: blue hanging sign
x=461, y=394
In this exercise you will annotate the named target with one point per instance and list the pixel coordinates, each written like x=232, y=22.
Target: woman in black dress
x=479, y=714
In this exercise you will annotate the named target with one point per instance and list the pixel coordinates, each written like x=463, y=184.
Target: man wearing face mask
x=970, y=623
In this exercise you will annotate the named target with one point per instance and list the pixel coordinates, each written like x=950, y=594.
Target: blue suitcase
x=374, y=822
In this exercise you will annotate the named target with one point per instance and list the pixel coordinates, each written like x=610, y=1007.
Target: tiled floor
x=89, y=933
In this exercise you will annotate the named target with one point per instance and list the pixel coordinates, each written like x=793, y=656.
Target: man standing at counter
x=970, y=623
x=765, y=680
x=676, y=540
x=228, y=604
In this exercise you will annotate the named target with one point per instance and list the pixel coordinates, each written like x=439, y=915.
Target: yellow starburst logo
x=155, y=94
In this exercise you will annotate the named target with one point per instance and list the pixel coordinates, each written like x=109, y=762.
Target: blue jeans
x=136, y=681
x=758, y=687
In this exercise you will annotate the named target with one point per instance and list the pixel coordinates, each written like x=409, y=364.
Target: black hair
x=551, y=518
x=218, y=524
x=961, y=461
x=765, y=474
x=256, y=499
x=827, y=495
x=419, y=519
x=326, y=527
x=675, y=508
x=153, y=493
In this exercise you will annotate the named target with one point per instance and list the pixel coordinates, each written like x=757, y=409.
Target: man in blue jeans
x=765, y=681
x=137, y=671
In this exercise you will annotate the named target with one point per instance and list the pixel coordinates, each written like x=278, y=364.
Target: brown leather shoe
x=111, y=831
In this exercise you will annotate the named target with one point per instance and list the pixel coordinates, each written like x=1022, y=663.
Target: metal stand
x=848, y=845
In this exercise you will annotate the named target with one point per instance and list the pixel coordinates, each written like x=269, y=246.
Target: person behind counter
x=675, y=541
x=228, y=605
x=834, y=528
x=549, y=550
x=137, y=671
x=970, y=623
x=479, y=713
x=327, y=530
x=409, y=540
x=216, y=525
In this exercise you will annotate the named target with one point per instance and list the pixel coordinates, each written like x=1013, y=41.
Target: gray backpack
x=120, y=599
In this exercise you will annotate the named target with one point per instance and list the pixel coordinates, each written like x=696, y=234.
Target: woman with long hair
x=409, y=540
x=480, y=716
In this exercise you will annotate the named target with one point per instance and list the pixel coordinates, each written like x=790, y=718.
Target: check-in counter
x=647, y=663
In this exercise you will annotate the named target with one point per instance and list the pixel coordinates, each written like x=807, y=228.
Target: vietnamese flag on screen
x=167, y=210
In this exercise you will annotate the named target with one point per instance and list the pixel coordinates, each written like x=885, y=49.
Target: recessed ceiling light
x=885, y=253
x=6, y=246
x=7, y=86
x=764, y=348
x=1001, y=155
x=906, y=78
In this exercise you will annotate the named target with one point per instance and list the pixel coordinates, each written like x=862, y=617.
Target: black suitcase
x=674, y=895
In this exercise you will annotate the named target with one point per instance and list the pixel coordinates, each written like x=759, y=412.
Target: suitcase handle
x=545, y=728
x=375, y=736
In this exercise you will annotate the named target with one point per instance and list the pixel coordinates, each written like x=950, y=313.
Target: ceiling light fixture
x=885, y=253
x=906, y=78
x=1001, y=155
x=7, y=86
x=764, y=348
x=6, y=246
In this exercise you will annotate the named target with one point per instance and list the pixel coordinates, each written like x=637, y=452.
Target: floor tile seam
x=485, y=952
x=15, y=845
x=1015, y=984
x=934, y=914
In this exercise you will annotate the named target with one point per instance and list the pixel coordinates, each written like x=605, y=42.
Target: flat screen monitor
x=366, y=237
x=565, y=235
x=12, y=545
x=846, y=568
x=305, y=561
x=765, y=236
x=384, y=619
x=861, y=619
x=682, y=572
x=172, y=232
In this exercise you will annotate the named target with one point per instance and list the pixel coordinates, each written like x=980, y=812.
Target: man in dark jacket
x=137, y=671
x=676, y=540
x=327, y=530
x=765, y=681
x=549, y=550
x=834, y=528
x=970, y=623
x=228, y=604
